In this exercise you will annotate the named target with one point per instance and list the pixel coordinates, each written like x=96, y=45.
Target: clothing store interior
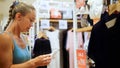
x=77, y=33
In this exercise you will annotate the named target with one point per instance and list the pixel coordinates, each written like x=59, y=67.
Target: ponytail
x=10, y=14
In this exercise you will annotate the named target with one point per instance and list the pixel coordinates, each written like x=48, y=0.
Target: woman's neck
x=14, y=29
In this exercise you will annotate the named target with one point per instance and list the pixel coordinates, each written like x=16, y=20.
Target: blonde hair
x=18, y=7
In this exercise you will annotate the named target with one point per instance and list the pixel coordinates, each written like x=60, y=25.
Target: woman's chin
x=25, y=31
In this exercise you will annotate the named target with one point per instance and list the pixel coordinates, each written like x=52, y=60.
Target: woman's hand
x=42, y=60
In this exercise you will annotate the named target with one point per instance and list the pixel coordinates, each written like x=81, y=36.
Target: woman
x=13, y=50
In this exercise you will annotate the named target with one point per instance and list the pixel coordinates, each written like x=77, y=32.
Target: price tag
x=62, y=24
x=45, y=23
x=81, y=59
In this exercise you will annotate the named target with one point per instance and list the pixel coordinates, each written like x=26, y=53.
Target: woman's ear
x=18, y=16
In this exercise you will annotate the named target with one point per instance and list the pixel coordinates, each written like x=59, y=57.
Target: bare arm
x=5, y=52
x=6, y=56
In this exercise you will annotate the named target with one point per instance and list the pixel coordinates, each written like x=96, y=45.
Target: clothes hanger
x=42, y=35
x=118, y=6
x=51, y=28
x=71, y=29
x=114, y=7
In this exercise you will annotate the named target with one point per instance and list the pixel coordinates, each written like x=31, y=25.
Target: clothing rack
x=75, y=35
x=56, y=20
x=74, y=23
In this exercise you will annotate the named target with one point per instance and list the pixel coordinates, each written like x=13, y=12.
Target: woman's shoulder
x=5, y=39
x=4, y=36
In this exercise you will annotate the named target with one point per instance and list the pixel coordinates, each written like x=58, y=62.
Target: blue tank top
x=20, y=55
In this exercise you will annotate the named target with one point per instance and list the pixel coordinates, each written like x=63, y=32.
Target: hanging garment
x=86, y=40
x=86, y=22
x=42, y=46
x=55, y=46
x=95, y=8
x=104, y=42
x=65, y=52
x=70, y=46
x=80, y=3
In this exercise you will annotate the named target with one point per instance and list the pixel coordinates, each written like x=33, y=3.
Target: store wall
x=5, y=4
x=4, y=10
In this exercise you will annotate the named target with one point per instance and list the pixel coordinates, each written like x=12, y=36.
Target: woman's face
x=27, y=21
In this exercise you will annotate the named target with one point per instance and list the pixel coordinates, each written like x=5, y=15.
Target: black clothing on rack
x=104, y=43
x=42, y=46
x=65, y=52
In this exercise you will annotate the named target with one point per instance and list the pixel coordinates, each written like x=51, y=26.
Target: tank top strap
x=14, y=41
